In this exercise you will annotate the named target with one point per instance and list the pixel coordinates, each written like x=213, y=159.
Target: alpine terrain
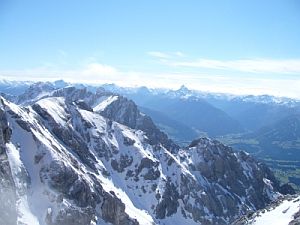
x=269, y=125
x=70, y=156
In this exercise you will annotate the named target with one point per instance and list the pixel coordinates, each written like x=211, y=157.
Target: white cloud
x=244, y=65
x=179, y=54
x=91, y=72
x=166, y=55
x=160, y=55
x=99, y=69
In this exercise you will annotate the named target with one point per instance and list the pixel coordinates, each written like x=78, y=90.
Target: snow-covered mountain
x=285, y=211
x=185, y=93
x=14, y=87
x=71, y=156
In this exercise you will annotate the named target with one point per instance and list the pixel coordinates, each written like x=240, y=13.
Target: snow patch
x=25, y=216
x=55, y=107
x=282, y=214
x=104, y=103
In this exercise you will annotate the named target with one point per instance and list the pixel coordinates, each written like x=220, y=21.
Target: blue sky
x=229, y=46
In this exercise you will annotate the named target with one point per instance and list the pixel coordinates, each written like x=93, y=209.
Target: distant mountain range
x=197, y=113
x=174, y=128
x=232, y=114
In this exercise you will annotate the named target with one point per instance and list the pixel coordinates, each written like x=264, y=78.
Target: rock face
x=34, y=92
x=296, y=219
x=231, y=183
x=93, y=158
x=113, y=211
x=7, y=186
x=126, y=112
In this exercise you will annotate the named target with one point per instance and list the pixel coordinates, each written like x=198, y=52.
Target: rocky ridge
x=93, y=158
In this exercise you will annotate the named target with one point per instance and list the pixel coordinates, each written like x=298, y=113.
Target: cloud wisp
x=166, y=55
x=255, y=65
x=159, y=55
x=285, y=66
x=89, y=73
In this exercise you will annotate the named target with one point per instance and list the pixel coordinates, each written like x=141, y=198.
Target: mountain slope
x=175, y=129
x=71, y=165
x=280, y=140
x=284, y=212
x=286, y=129
x=195, y=113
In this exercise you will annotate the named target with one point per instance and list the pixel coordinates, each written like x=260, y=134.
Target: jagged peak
x=204, y=141
x=183, y=88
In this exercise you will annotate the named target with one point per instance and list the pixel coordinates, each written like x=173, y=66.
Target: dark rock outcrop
x=113, y=211
x=287, y=189
x=7, y=187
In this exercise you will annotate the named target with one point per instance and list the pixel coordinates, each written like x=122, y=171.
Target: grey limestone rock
x=113, y=211
x=7, y=187
x=126, y=112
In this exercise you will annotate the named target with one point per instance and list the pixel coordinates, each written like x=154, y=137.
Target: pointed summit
x=183, y=90
x=143, y=90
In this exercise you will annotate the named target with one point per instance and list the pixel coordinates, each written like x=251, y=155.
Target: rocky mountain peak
x=126, y=112
x=183, y=89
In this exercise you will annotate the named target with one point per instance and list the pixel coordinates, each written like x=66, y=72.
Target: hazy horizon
x=175, y=88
